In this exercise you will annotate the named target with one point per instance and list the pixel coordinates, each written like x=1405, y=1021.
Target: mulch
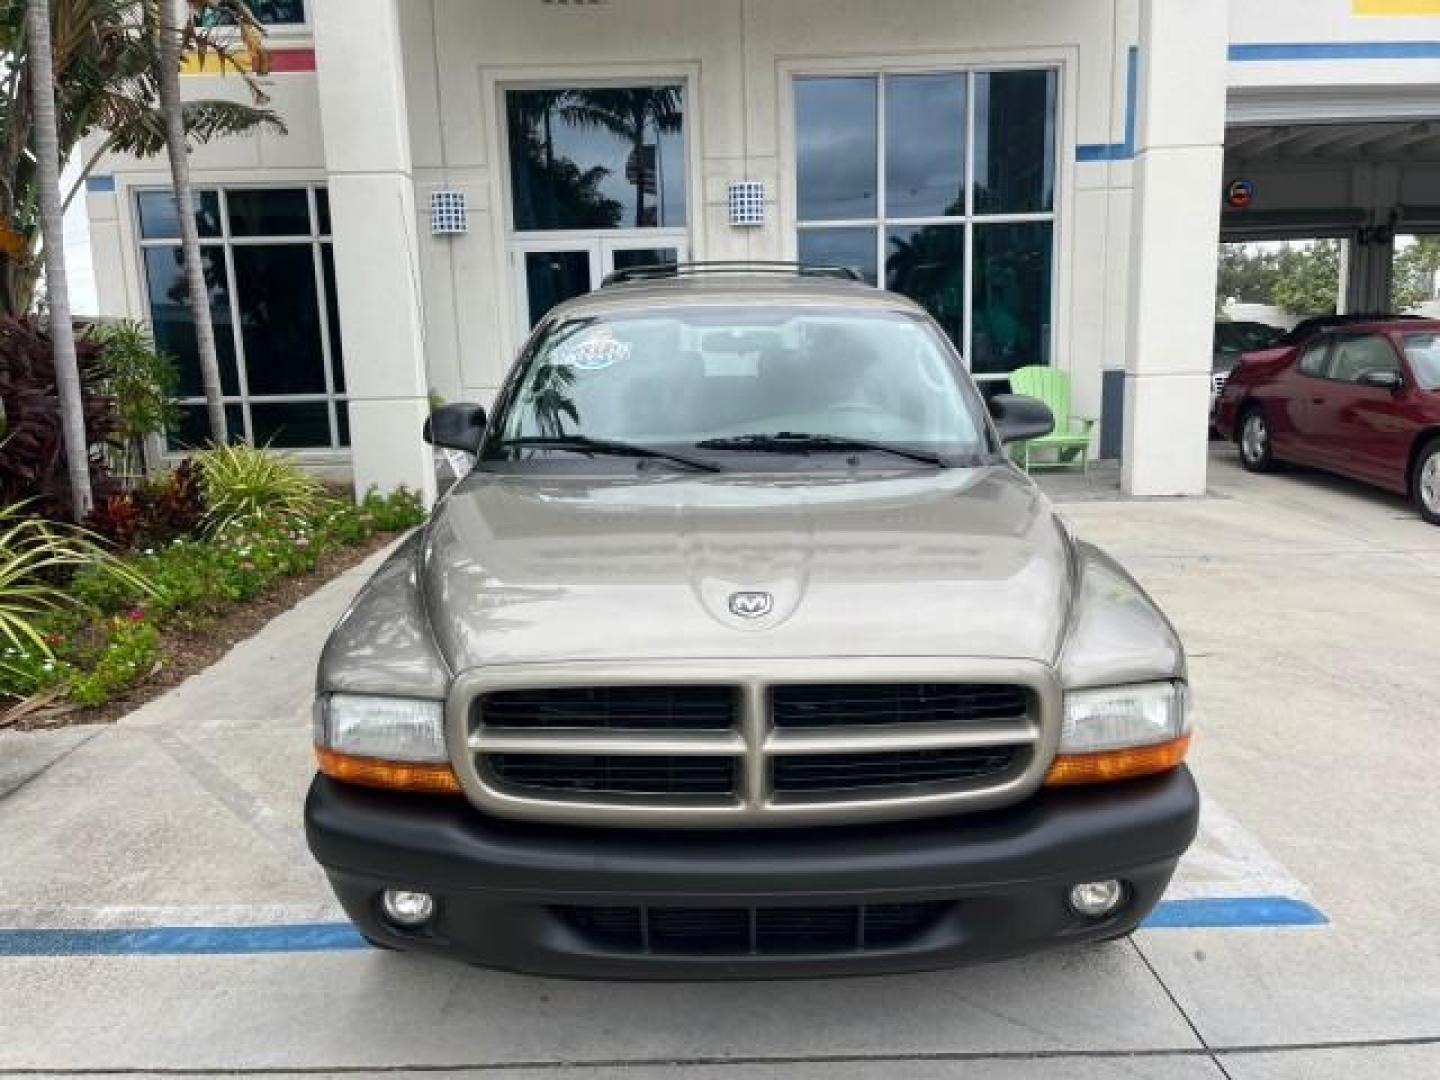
x=189, y=650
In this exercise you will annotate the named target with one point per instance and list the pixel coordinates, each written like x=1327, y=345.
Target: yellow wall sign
x=1396, y=7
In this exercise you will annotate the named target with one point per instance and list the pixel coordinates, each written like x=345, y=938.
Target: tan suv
x=744, y=650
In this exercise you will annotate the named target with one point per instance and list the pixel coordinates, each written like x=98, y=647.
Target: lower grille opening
x=615, y=774
x=848, y=772
x=748, y=931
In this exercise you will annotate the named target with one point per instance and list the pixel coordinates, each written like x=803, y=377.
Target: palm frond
x=140, y=129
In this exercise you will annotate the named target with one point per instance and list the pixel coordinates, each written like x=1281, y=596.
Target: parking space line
x=1205, y=913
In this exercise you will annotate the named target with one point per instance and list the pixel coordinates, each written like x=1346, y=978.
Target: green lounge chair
x=1070, y=441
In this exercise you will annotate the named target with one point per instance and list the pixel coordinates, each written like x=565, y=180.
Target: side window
x=1359, y=354
x=1312, y=360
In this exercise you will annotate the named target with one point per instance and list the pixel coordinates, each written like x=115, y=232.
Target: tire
x=1425, y=482
x=1257, y=452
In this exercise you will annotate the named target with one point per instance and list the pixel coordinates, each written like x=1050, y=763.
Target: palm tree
x=632, y=113
x=52, y=225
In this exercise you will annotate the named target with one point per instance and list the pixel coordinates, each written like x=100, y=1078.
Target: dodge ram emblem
x=751, y=605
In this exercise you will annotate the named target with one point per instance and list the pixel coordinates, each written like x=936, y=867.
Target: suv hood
x=958, y=562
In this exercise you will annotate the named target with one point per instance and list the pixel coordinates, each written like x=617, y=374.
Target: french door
x=552, y=270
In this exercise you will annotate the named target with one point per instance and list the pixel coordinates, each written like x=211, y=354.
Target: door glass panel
x=280, y=318
x=170, y=315
x=840, y=247
x=1012, y=296
x=927, y=264
x=597, y=157
x=1357, y=355
x=629, y=258
x=1312, y=361
x=924, y=145
x=552, y=277
x=835, y=134
x=1014, y=141
x=160, y=221
x=269, y=212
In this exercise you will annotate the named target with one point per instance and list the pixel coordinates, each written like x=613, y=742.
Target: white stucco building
x=1047, y=175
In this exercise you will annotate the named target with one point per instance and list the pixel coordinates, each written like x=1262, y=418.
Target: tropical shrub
x=141, y=384
x=129, y=652
x=32, y=450
x=241, y=481
x=163, y=508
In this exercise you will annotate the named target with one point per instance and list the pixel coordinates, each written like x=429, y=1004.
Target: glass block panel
x=927, y=264
x=170, y=315
x=1012, y=296
x=1014, y=142
x=602, y=157
x=840, y=247
x=280, y=318
x=294, y=425
x=925, y=145
x=159, y=219
x=835, y=148
x=193, y=429
x=268, y=212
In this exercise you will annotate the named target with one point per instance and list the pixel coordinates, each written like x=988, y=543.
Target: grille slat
x=615, y=774
x=754, y=931
x=619, y=708
x=845, y=772
x=861, y=704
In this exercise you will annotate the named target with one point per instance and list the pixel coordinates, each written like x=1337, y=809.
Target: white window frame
x=334, y=399
x=1063, y=149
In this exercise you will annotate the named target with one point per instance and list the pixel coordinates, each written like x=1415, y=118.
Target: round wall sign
x=1240, y=194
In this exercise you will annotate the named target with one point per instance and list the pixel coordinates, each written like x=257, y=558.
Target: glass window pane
x=268, y=12
x=628, y=258
x=170, y=315
x=193, y=429
x=322, y=211
x=268, y=212
x=927, y=264
x=835, y=148
x=291, y=424
x=552, y=277
x=840, y=247
x=925, y=145
x=342, y=423
x=1014, y=142
x=159, y=220
x=1012, y=296
x=597, y=157
x=279, y=318
x=332, y=313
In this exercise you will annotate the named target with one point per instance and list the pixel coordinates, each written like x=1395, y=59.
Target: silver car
x=745, y=650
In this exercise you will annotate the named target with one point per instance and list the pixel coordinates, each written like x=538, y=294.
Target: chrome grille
x=1217, y=384
x=693, y=745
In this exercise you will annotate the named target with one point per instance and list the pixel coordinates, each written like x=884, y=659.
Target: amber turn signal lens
x=1110, y=765
x=395, y=775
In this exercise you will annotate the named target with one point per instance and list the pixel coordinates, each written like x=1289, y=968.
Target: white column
x=1174, y=245
x=360, y=74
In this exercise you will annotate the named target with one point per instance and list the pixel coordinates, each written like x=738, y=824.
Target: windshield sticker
x=593, y=350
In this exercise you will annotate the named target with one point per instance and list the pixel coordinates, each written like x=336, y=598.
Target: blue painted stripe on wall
x=1121, y=151
x=1335, y=50
x=1212, y=913
x=99, y=183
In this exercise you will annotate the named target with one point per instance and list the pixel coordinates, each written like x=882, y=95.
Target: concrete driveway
x=161, y=914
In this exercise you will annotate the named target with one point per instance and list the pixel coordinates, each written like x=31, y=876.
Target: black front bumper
x=522, y=897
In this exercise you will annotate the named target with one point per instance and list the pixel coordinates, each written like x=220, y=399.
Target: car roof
x=1380, y=322
x=738, y=289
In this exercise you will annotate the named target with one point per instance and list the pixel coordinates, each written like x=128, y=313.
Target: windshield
x=1423, y=352
x=682, y=377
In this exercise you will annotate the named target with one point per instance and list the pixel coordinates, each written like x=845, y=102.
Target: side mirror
x=456, y=427
x=1383, y=379
x=1019, y=417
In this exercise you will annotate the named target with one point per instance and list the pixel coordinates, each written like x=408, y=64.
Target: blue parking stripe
x=1224, y=911
x=1207, y=913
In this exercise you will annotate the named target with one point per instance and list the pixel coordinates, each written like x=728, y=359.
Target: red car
x=1361, y=399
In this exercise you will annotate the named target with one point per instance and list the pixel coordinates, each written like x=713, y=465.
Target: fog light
x=407, y=908
x=1094, y=899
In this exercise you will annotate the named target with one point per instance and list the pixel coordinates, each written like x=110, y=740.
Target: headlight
x=1121, y=732
x=385, y=728
x=1122, y=716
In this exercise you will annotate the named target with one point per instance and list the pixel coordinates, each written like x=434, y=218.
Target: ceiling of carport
x=1399, y=141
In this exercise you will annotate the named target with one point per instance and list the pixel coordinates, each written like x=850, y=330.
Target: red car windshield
x=1423, y=352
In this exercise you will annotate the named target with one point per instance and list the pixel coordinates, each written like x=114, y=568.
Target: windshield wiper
x=799, y=442
x=584, y=444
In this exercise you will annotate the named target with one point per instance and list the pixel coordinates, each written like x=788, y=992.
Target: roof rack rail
x=656, y=271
